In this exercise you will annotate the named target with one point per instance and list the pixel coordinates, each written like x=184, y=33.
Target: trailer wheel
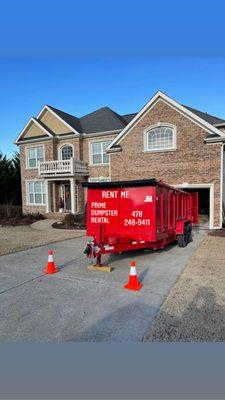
x=186, y=238
x=182, y=241
x=190, y=238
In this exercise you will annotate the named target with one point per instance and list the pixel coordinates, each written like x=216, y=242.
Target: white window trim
x=100, y=179
x=27, y=192
x=61, y=147
x=26, y=154
x=91, y=155
x=158, y=125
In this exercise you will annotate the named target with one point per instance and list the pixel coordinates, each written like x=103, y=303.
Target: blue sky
x=79, y=86
x=81, y=55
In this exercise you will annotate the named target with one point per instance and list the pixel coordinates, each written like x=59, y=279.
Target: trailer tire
x=190, y=238
x=182, y=242
x=186, y=238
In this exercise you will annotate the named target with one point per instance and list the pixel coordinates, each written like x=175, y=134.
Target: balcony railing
x=62, y=168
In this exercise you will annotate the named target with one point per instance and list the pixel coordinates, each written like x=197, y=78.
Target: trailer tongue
x=140, y=214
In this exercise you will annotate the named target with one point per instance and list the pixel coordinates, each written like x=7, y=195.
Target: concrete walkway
x=81, y=305
x=44, y=224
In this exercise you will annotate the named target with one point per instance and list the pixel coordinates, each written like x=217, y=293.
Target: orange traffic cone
x=133, y=283
x=50, y=267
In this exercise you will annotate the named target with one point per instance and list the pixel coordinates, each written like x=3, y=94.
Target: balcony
x=58, y=168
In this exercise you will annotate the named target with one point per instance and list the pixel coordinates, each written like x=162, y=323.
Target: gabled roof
x=37, y=122
x=45, y=128
x=68, y=118
x=128, y=117
x=186, y=111
x=211, y=119
x=102, y=120
x=107, y=120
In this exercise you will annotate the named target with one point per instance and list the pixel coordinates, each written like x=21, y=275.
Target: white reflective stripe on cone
x=50, y=258
x=133, y=271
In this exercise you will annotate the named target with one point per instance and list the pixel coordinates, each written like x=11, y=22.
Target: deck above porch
x=70, y=167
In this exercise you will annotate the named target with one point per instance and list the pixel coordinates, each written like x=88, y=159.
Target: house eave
x=220, y=124
x=105, y=133
x=114, y=150
x=214, y=140
x=33, y=140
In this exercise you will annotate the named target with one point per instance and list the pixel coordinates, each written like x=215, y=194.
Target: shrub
x=9, y=211
x=74, y=220
x=22, y=219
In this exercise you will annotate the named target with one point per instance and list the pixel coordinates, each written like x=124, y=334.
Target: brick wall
x=193, y=161
x=27, y=174
x=96, y=170
x=75, y=142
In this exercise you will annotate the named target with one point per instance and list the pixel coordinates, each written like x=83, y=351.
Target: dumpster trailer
x=139, y=214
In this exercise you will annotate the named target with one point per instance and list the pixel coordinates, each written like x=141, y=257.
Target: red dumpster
x=129, y=215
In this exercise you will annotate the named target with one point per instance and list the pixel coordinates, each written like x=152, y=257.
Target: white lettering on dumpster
x=100, y=220
x=109, y=194
x=105, y=213
x=96, y=204
x=125, y=194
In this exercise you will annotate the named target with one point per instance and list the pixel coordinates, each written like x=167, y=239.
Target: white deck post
x=47, y=197
x=72, y=191
x=54, y=196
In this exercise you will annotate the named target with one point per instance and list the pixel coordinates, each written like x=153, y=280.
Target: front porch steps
x=56, y=215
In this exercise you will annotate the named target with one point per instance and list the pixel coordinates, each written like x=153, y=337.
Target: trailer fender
x=180, y=227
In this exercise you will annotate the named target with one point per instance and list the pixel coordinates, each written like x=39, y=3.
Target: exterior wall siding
x=33, y=131
x=54, y=124
x=193, y=161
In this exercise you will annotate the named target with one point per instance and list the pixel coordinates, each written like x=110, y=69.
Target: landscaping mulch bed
x=20, y=220
x=62, y=225
x=71, y=221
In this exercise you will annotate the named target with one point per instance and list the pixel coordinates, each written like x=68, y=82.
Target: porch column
x=54, y=196
x=72, y=191
x=48, y=197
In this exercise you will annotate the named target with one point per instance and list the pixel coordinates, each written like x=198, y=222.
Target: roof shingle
x=105, y=119
x=211, y=119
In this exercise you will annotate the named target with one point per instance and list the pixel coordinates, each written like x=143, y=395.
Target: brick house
x=164, y=140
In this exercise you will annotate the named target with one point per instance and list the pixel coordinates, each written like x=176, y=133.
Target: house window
x=66, y=152
x=160, y=138
x=98, y=153
x=34, y=156
x=36, y=193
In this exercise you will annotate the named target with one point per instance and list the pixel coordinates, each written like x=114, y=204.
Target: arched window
x=160, y=138
x=66, y=152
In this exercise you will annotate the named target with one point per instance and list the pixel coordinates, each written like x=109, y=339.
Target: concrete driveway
x=81, y=305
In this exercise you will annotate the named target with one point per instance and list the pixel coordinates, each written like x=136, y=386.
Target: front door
x=67, y=197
